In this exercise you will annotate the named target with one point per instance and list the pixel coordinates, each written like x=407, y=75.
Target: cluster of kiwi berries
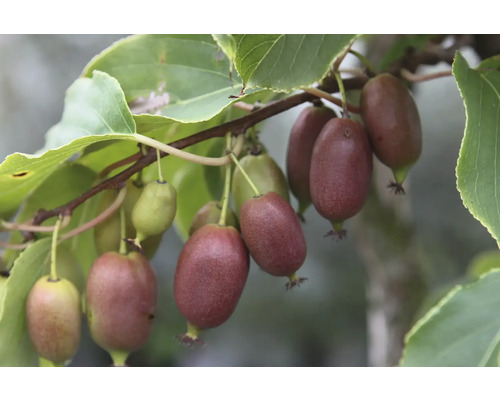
x=329, y=165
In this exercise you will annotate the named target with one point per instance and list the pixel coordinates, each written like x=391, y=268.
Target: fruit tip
x=294, y=281
x=396, y=188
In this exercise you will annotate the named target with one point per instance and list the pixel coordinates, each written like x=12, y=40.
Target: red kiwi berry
x=54, y=318
x=210, y=214
x=341, y=168
x=121, y=299
x=272, y=232
x=264, y=172
x=393, y=125
x=211, y=272
x=304, y=133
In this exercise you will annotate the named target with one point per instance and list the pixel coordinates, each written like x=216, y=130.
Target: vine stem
x=28, y=227
x=248, y=179
x=227, y=184
x=411, y=77
x=195, y=158
x=327, y=96
x=53, y=250
x=101, y=217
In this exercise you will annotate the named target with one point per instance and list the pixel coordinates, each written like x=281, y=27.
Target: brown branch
x=236, y=127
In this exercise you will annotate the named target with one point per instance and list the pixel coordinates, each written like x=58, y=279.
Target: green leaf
x=478, y=167
x=227, y=44
x=95, y=110
x=66, y=183
x=15, y=346
x=183, y=74
x=286, y=62
x=462, y=330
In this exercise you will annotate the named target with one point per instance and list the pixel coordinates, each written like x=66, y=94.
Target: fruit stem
x=345, y=107
x=252, y=185
x=53, y=250
x=332, y=99
x=119, y=358
x=160, y=175
x=192, y=331
x=123, y=232
x=364, y=61
x=227, y=185
x=214, y=161
x=43, y=362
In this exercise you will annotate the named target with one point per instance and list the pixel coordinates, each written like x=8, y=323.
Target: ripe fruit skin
x=54, y=318
x=341, y=170
x=121, y=299
x=211, y=273
x=265, y=174
x=273, y=234
x=108, y=233
x=304, y=133
x=392, y=122
x=155, y=209
x=210, y=214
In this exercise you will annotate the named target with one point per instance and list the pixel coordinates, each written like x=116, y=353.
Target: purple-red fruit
x=392, y=122
x=54, y=318
x=211, y=272
x=210, y=213
x=300, y=146
x=341, y=170
x=273, y=234
x=121, y=301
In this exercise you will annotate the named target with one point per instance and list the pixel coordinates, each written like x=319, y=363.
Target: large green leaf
x=478, y=168
x=95, y=110
x=286, y=62
x=186, y=71
x=15, y=344
x=463, y=329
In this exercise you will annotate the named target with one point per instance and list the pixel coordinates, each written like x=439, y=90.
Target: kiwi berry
x=121, y=302
x=341, y=168
x=211, y=273
x=304, y=133
x=392, y=122
x=274, y=237
x=54, y=319
x=210, y=213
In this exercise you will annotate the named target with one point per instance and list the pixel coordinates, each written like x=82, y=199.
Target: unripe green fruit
x=341, y=168
x=54, y=318
x=107, y=234
x=155, y=209
x=392, y=122
x=273, y=234
x=264, y=173
x=210, y=214
x=211, y=273
x=121, y=301
x=303, y=135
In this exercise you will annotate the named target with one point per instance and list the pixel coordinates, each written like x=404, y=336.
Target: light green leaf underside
x=462, y=330
x=188, y=69
x=15, y=343
x=286, y=62
x=95, y=110
x=478, y=167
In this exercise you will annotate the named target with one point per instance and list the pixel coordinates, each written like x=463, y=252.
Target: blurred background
x=406, y=249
